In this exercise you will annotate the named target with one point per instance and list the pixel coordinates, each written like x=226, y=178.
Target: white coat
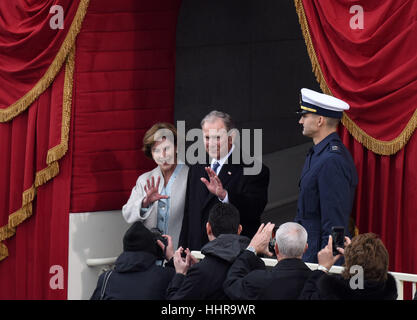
x=131, y=210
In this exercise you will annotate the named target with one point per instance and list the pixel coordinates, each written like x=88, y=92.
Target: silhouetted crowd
x=232, y=267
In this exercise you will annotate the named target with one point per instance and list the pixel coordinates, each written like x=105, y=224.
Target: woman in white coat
x=158, y=197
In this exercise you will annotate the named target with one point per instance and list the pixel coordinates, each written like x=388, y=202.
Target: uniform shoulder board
x=335, y=148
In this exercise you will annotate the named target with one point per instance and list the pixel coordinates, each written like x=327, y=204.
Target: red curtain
x=375, y=70
x=71, y=123
x=124, y=83
x=373, y=67
x=39, y=242
x=33, y=48
x=36, y=78
x=385, y=201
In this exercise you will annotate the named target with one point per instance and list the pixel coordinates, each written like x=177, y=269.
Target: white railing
x=104, y=264
x=99, y=262
x=400, y=278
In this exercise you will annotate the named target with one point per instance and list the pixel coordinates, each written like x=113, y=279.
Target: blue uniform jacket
x=327, y=191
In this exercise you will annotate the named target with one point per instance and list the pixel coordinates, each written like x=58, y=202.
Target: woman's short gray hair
x=291, y=239
x=213, y=115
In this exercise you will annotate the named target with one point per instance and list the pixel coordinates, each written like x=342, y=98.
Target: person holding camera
x=365, y=275
x=204, y=280
x=248, y=278
x=136, y=275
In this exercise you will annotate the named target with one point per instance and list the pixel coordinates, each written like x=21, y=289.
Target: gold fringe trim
x=3, y=251
x=20, y=215
x=377, y=146
x=310, y=48
x=24, y=102
x=6, y=232
x=381, y=147
x=59, y=150
x=54, y=154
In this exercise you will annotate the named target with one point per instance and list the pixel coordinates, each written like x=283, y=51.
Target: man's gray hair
x=213, y=115
x=291, y=239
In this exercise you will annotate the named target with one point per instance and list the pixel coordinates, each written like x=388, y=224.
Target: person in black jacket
x=136, y=275
x=248, y=278
x=228, y=179
x=204, y=280
x=365, y=275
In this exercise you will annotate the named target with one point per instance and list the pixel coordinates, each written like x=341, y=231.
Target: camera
x=157, y=234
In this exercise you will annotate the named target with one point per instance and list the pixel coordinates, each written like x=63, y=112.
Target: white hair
x=291, y=239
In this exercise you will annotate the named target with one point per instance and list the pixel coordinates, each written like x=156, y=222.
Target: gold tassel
x=377, y=146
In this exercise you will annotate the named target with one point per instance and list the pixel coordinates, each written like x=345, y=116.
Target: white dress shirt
x=221, y=162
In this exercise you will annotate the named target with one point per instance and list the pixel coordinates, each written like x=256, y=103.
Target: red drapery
x=31, y=50
x=123, y=81
x=385, y=199
x=375, y=70
x=36, y=78
x=37, y=246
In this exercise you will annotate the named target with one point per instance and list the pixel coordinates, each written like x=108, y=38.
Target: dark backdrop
x=247, y=58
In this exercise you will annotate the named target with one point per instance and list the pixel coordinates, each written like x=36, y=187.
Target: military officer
x=329, y=179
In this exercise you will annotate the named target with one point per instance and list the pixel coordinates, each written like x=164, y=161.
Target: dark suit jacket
x=204, y=280
x=248, y=279
x=248, y=193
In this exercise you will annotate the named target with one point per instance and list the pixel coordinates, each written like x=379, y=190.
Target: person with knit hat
x=136, y=275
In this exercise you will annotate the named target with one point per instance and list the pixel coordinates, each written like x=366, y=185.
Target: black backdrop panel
x=247, y=58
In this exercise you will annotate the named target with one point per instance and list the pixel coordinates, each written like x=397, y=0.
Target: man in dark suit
x=225, y=180
x=248, y=278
